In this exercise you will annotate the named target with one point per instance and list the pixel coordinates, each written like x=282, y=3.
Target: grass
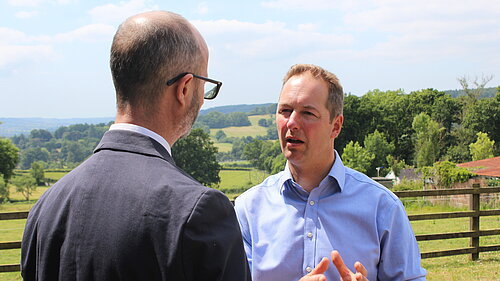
x=457, y=268
x=223, y=147
x=252, y=131
x=234, y=182
x=55, y=175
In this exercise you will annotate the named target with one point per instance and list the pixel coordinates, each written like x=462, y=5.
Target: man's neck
x=310, y=176
x=159, y=126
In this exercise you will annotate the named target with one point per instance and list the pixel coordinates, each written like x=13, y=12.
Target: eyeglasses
x=211, y=90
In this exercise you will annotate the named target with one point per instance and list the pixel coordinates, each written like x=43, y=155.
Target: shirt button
x=309, y=234
x=309, y=269
x=311, y=203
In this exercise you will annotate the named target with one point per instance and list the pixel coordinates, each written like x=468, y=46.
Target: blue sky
x=54, y=53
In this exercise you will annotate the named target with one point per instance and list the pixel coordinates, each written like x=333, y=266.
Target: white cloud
x=18, y=47
x=13, y=54
x=36, y=3
x=115, y=14
x=88, y=33
x=267, y=40
x=314, y=5
x=202, y=8
x=25, y=3
x=26, y=14
x=430, y=29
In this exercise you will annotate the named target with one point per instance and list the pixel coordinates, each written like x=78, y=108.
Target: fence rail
x=474, y=231
x=474, y=216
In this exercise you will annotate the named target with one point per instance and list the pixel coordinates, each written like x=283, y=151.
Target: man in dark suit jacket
x=128, y=212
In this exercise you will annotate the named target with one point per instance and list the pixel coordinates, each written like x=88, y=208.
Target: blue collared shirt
x=287, y=230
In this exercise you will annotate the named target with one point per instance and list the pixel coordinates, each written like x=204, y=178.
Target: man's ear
x=337, y=126
x=182, y=89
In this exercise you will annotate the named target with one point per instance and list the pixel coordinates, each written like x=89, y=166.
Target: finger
x=360, y=268
x=340, y=265
x=360, y=277
x=321, y=267
x=317, y=277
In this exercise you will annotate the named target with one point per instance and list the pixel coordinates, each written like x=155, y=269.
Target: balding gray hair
x=147, y=52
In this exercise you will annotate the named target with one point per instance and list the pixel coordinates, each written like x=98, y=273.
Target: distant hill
x=234, y=108
x=488, y=93
x=17, y=126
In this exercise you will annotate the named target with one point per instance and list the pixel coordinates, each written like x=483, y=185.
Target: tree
x=196, y=155
x=427, y=137
x=33, y=154
x=9, y=157
x=220, y=135
x=279, y=163
x=395, y=165
x=446, y=173
x=4, y=190
x=377, y=144
x=356, y=157
x=25, y=184
x=482, y=148
x=37, y=172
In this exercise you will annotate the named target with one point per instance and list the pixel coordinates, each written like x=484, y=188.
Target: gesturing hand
x=345, y=273
x=317, y=273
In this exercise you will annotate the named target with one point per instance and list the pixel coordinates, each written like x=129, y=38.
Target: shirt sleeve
x=245, y=232
x=212, y=248
x=400, y=256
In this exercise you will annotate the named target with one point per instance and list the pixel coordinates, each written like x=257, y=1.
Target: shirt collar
x=143, y=131
x=337, y=172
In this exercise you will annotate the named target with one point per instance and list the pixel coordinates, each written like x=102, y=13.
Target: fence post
x=474, y=221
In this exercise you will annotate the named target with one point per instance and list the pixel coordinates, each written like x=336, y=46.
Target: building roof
x=487, y=167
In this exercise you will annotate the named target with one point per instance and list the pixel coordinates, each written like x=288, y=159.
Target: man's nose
x=293, y=121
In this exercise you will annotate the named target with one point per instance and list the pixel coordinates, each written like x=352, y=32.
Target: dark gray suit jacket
x=129, y=213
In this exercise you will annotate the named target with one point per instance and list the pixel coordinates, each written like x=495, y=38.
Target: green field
x=253, y=130
x=233, y=182
x=223, y=147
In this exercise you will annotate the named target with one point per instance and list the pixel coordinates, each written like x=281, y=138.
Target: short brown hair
x=335, y=100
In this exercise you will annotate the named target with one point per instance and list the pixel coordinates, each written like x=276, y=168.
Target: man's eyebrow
x=310, y=107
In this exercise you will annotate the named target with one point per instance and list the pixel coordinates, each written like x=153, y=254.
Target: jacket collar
x=121, y=140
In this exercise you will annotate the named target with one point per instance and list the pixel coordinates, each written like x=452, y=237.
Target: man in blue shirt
x=295, y=218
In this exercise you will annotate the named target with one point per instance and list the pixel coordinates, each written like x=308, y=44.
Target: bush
x=406, y=184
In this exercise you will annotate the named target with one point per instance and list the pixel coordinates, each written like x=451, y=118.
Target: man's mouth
x=293, y=140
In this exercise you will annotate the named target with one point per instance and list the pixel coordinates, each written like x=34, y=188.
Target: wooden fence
x=474, y=213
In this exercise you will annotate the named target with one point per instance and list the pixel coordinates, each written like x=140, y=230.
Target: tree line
x=382, y=131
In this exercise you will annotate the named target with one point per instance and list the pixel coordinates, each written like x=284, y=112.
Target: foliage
x=9, y=158
x=482, y=148
x=220, y=136
x=195, y=154
x=279, y=163
x=395, y=165
x=406, y=184
x=65, y=148
x=34, y=154
x=265, y=122
x=37, y=172
x=427, y=135
x=217, y=120
x=25, y=185
x=4, y=190
x=376, y=144
x=446, y=173
x=262, y=154
x=357, y=157
x=268, y=109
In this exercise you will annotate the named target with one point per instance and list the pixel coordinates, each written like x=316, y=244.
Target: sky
x=54, y=54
